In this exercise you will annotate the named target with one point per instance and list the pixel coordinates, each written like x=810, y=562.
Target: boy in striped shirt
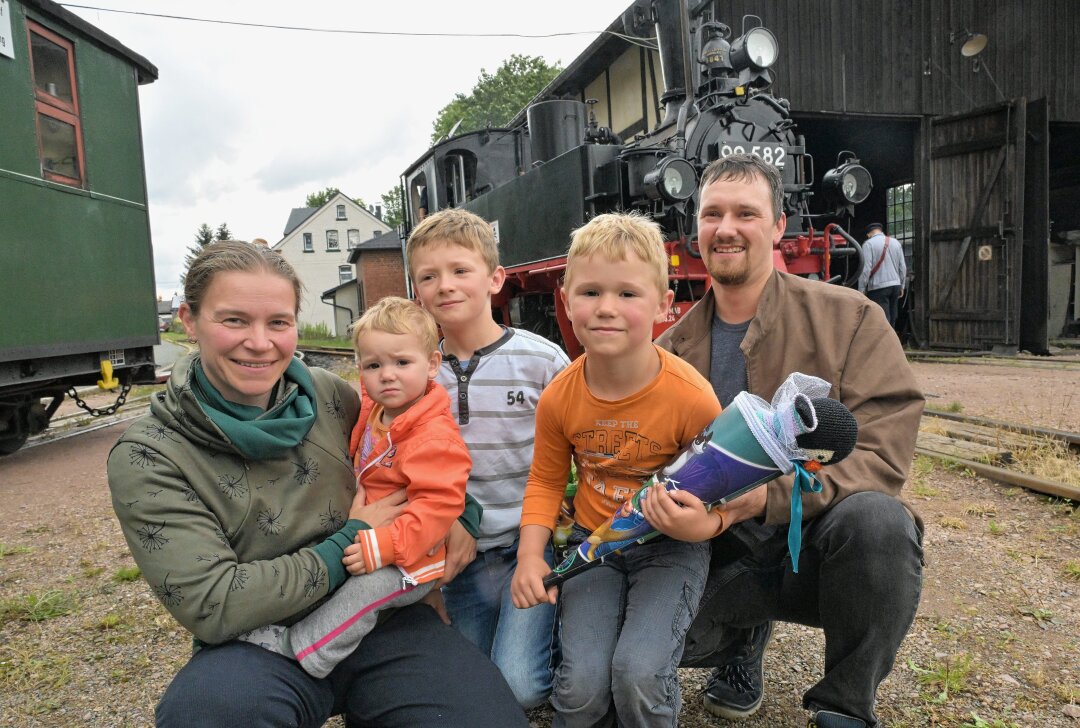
x=495, y=375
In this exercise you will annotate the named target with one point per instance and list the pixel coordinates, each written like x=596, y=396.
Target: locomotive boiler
x=536, y=182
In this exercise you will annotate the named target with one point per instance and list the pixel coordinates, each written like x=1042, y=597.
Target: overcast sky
x=243, y=123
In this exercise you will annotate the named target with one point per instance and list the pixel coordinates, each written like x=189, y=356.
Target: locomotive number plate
x=770, y=153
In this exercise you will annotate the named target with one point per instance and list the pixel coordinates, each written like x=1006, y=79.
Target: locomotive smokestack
x=673, y=38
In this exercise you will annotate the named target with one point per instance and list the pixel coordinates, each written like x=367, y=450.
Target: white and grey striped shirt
x=493, y=398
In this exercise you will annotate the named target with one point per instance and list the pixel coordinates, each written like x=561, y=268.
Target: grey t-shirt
x=727, y=373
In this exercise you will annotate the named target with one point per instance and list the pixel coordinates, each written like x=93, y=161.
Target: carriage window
x=52, y=60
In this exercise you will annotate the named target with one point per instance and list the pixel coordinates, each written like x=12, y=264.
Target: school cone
x=748, y=444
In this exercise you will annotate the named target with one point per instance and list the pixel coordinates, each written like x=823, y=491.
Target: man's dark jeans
x=860, y=578
x=889, y=300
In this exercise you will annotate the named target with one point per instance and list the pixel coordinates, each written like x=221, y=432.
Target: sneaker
x=735, y=690
x=830, y=719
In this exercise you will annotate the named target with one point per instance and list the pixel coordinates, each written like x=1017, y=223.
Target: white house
x=317, y=241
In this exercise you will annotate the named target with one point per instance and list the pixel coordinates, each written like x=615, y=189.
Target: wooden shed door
x=976, y=228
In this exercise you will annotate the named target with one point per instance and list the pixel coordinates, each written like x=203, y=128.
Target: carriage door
x=979, y=294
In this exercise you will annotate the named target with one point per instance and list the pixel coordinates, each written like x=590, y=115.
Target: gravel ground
x=999, y=612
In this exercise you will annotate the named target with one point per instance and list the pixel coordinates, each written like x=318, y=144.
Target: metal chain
x=111, y=409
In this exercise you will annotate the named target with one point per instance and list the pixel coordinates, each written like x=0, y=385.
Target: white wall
x=318, y=270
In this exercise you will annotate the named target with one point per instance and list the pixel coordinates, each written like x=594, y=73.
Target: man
x=884, y=270
x=860, y=571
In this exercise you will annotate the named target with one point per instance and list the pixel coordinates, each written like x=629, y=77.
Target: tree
x=393, y=209
x=320, y=198
x=496, y=98
x=222, y=233
x=204, y=235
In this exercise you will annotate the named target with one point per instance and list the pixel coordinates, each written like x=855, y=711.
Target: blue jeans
x=411, y=670
x=860, y=579
x=621, y=632
x=520, y=641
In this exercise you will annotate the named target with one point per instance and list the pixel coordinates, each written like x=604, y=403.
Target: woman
x=235, y=495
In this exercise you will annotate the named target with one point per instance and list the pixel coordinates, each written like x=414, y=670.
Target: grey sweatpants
x=328, y=635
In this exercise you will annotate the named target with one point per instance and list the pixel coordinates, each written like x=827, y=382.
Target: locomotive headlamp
x=756, y=48
x=849, y=181
x=674, y=180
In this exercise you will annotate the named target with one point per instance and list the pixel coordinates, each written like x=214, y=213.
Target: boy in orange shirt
x=622, y=410
x=405, y=439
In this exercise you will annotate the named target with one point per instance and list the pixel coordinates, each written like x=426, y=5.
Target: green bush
x=315, y=331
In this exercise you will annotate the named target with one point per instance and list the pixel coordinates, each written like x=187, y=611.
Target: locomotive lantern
x=537, y=182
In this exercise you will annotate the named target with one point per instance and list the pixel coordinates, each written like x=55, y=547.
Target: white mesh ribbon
x=775, y=426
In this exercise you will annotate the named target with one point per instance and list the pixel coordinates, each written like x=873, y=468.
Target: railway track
x=1069, y=363
x=986, y=447
x=983, y=431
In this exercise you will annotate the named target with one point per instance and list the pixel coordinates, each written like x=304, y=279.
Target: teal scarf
x=259, y=434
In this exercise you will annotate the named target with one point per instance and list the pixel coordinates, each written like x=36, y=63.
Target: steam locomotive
x=538, y=181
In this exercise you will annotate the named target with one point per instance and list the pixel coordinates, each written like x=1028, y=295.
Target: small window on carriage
x=56, y=99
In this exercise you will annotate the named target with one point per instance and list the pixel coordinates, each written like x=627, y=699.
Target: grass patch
x=126, y=573
x=952, y=522
x=1071, y=569
x=983, y=510
x=943, y=677
x=37, y=607
x=90, y=569
x=950, y=407
x=109, y=621
x=23, y=670
x=143, y=390
x=1051, y=460
x=1067, y=693
x=925, y=491
x=977, y=722
x=6, y=550
x=995, y=528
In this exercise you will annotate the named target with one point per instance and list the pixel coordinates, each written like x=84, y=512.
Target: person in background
x=884, y=271
x=495, y=375
x=860, y=572
x=236, y=497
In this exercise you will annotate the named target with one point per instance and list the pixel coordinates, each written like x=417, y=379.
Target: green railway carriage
x=77, y=294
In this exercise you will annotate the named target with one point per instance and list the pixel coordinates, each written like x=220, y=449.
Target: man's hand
x=748, y=505
x=679, y=514
x=354, y=560
x=460, y=552
x=382, y=512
